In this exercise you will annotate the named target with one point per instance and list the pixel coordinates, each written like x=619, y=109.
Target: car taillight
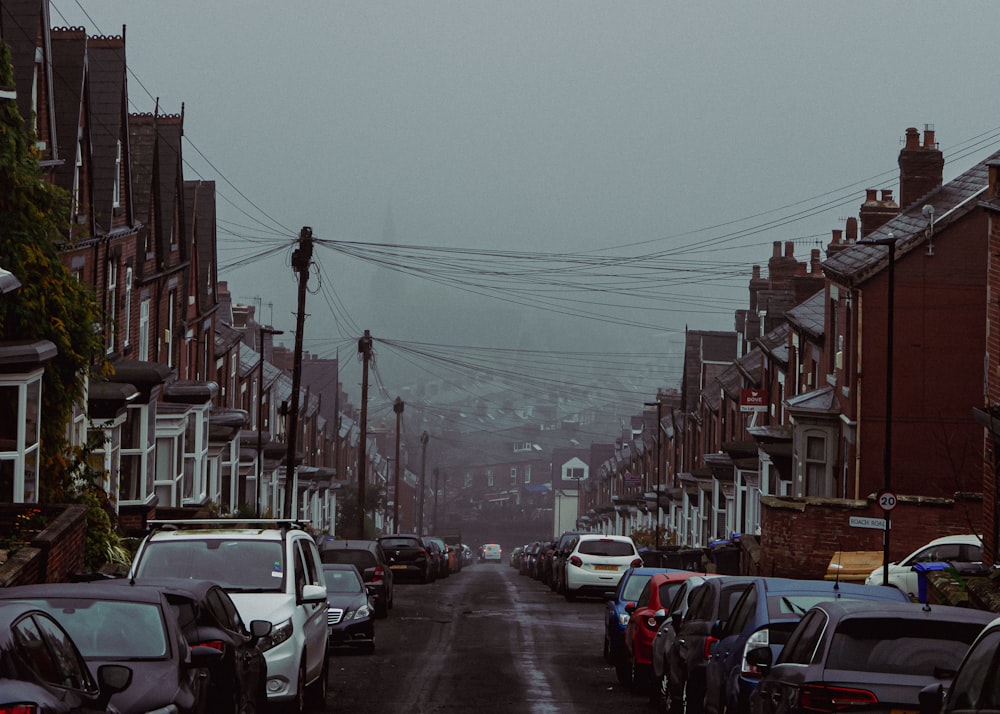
x=757, y=639
x=423, y=552
x=709, y=642
x=575, y=560
x=378, y=574
x=18, y=709
x=214, y=644
x=637, y=563
x=821, y=698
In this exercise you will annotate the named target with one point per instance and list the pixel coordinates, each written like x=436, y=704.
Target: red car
x=643, y=624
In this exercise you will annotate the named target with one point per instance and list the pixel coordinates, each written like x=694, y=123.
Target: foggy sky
x=622, y=127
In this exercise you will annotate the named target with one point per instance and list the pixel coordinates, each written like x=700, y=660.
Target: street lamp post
x=397, y=407
x=423, y=481
x=659, y=419
x=260, y=413
x=890, y=243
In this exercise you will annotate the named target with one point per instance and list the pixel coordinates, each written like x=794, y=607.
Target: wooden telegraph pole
x=301, y=260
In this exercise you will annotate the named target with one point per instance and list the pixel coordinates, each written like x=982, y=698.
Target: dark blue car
x=765, y=616
x=616, y=619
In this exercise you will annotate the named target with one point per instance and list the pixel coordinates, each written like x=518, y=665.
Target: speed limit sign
x=887, y=500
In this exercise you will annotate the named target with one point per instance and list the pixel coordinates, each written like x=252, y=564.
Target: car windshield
x=608, y=548
x=900, y=646
x=634, y=586
x=110, y=629
x=237, y=565
x=399, y=543
x=342, y=581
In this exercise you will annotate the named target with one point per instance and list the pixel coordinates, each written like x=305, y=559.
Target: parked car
x=514, y=560
x=208, y=617
x=408, y=557
x=958, y=549
x=449, y=558
x=438, y=558
x=864, y=655
x=131, y=626
x=528, y=555
x=597, y=562
x=350, y=608
x=766, y=613
x=491, y=553
x=616, y=618
x=683, y=643
x=271, y=569
x=564, y=545
x=42, y=670
x=645, y=616
x=371, y=561
x=975, y=688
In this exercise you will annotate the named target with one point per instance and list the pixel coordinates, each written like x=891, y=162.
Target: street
x=486, y=640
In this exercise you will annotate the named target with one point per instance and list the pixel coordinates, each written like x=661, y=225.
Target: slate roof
x=199, y=198
x=775, y=343
x=20, y=22
x=953, y=200
x=809, y=316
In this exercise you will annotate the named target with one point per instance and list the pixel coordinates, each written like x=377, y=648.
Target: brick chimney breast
x=921, y=168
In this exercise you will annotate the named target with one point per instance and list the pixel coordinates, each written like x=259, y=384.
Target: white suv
x=596, y=564
x=272, y=571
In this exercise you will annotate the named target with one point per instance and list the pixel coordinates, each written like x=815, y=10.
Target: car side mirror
x=675, y=617
x=716, y=630
x=112, y=678
x=760, y=657
x=630, y=607
x=313, y=593
x=659, y=616
x=202, y=656
x=931, y=698
x=259, y=628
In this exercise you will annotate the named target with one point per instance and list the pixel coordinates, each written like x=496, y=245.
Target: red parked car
x=654, y=599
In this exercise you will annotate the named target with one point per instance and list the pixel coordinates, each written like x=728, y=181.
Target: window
x=116, y=195
x=112, y=302
x=513, y=476
x=128, y=306
x=520, y=446
x=527, y=474
x=815, y=467
x=144, y=330
x=489, y=478
x=802, y=644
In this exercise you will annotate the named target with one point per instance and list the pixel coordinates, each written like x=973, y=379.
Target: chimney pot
x=838, y=234
x=852, y=229
x=886, y=195
x=929, y=142
x=776, y=252
x=871, y=195
x=789, y=249
x=912, y=138
x=756, y=272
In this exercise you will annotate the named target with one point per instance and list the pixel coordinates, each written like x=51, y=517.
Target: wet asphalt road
x=483, y=640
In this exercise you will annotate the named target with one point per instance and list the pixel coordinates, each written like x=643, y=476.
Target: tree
x=51, y=303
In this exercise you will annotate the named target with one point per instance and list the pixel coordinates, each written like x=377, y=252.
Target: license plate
x=615, y=568
x=397, y=567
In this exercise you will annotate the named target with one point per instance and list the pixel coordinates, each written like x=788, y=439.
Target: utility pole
x=397, y=407
x=365, y=349
x=301, y=260
x=435, y=519
x=423, y=482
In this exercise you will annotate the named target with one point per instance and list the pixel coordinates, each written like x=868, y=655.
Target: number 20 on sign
x=887, y=500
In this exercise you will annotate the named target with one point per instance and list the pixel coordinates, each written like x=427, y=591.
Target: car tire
x=607, y=647
x=623, y=671
x=315, y=694
x=640, y=678
x=381, y=608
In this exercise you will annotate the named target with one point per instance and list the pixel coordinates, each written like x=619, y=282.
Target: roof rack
x=284, y=524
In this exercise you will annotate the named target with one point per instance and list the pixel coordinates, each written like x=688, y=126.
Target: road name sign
x=863, y=522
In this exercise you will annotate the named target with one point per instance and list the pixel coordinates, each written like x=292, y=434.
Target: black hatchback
x=370, y=560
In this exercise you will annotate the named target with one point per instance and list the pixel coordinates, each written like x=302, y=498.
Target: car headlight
x=361, y=613
x=623, y=618
x=279, y=633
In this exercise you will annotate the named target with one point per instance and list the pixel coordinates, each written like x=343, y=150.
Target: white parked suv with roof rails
x=272, y=571
x=596, y=564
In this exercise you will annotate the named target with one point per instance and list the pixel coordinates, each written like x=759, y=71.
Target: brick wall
x=800, y=535
x=54, y=553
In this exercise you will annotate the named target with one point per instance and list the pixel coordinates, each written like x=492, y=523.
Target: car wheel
x=623, y=671
x=607, y=647
x=381, y=608
x=298, y=705
x=663, y=700
x=316, y=692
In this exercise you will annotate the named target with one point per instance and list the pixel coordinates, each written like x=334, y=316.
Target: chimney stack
x=875, y=212
x=852, y=230
x=921, y=168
